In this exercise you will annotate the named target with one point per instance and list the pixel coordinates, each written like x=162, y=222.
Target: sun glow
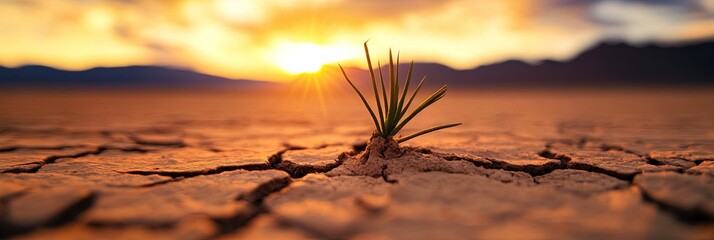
x=297, y=58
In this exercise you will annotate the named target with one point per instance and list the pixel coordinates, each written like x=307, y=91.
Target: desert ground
x=530, y=164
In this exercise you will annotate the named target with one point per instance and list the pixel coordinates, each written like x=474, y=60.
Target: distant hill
x=131, y=77
x=605, y=65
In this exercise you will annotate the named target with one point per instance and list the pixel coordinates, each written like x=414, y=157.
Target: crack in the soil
x=255, y=198
x=194, y=173
x=533, y=170
x=8, y=149
x=148, y=142
x=652, y=161
x=385, y=176
x=646, y=156
x=25, y=170
x=123, y=149
x=227, y=224
x=66, y=216
x=119, y=225
x=649, y=160
x=491, y=163
x=300, y=170
x=551, y=155
x=359, y=147
x=53, y=158
x=153, y=184
x=291, y=147
x=60, y=147
x=694, y=216
x=264, y=189
x=297, y=170
x=590, y=168
x=567, y=163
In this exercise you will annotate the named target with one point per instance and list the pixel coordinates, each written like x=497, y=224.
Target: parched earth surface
x=538, y=166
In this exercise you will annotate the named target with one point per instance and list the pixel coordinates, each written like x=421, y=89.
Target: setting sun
x=296, y=58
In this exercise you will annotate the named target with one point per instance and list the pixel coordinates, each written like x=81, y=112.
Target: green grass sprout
x=391, y=109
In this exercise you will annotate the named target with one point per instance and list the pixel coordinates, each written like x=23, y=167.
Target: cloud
x=238, y=39
x=662, y=20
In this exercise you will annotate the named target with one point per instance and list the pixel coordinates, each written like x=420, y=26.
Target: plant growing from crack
x=392, y=109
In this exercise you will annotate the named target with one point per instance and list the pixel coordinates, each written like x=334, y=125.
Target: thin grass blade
x=396, y=69
x=416, y=90
x=395, y=78
x=374, y=85
x=425, y=131
x=406, y=88
x=392, y=107
x=371, y=113
x=432, y=99
x=384, y=92
x=390, y=119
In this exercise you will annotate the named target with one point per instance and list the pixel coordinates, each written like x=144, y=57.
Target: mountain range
x=605, y=65
x=130, y=77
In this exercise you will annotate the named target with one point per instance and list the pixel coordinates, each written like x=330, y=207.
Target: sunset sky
x=275, y=39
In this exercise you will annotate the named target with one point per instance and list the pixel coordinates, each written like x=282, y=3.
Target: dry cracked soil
x=619, y=166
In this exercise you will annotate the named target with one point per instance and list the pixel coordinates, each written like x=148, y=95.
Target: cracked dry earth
x=513, y=171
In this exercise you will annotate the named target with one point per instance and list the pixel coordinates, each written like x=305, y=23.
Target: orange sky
x=274, y=39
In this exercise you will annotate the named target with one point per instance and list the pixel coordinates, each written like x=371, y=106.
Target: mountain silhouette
x=605, y=65
x=131, y=77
